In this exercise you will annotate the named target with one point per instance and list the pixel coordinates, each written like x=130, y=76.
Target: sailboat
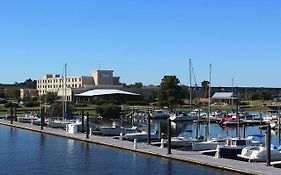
x=209, y=144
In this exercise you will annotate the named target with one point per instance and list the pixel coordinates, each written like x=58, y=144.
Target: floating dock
x=185, y=156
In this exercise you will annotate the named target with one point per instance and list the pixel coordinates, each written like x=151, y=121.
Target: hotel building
x=55, y=83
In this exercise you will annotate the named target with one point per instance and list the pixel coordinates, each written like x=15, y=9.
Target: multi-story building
x=55, y=83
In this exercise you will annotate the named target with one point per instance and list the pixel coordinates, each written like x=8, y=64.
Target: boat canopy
x=101, y=92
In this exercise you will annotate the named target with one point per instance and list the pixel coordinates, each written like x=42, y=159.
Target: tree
x=12, y=92
x=204, y=89
x=169, y=92
x=50, y=97
x=109, y=111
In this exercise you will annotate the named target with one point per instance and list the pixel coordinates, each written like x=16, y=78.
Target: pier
x=144, y=148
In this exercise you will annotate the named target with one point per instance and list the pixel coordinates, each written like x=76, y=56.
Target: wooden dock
x=185, y=156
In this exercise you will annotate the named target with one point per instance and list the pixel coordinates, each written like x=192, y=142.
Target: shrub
x=31, y=104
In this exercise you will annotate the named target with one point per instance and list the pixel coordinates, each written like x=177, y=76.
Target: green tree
x=12, y=92
x=50, y=97
x=204, y=89
x=169, y=92
x=109, y=111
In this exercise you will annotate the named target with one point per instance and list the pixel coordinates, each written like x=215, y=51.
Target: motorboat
x=27, y=118
x=159, y=114
x=140, y=136
x=234, y=146
x=115, y=130
x=184, y=139
x=177, y=117
x=259, y=154
x=208, y=145
x=59, y=123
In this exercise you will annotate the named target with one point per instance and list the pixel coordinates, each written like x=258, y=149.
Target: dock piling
x=87, y=129
x=42, y=119
x=12, y=114
x=244, y=131
x=169, y=137
x=148, y=129
x=268, y=143
x=83, y=127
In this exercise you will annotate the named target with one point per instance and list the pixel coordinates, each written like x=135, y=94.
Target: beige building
x=55, y=83
x=28, y=93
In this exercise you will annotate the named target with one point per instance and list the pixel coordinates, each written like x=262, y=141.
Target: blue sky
x=143, y=40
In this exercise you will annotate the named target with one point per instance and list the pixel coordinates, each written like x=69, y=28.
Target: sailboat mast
x=190, y=88
x=209, y=112
x=64, y=91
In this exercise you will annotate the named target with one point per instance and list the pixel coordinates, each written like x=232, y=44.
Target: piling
x=279, y=128
x=206, y=132
x=87, y=129
x=244, y=131
x=268, y=143
x=169, y=145
x=83, y=127
x=42, y=119
x=16, y=112
x=12, y=114
x=237, y=118
x=197, y=129
x=148, y=129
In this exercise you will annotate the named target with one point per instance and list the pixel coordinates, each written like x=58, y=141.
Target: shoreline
x=183, y=156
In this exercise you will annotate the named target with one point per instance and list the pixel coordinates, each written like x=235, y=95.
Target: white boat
x=182, y=117
x=184, y=139
x=140, y=136
x=258, y=154
x=234, y=146
x=57, y=123
x=115, y=130
x=27, y=119
x=208, y=145
x=159, y=114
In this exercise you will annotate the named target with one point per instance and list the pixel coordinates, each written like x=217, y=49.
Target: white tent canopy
x=100, y=92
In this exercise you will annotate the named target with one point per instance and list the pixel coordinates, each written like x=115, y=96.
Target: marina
x=185, y=156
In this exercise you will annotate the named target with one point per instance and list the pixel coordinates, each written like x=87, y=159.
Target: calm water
x=26, y=152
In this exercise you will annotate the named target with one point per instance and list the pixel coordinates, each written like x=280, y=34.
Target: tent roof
x=100, y=92
x=223, y=96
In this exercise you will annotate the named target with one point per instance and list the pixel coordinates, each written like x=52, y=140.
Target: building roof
x=100, y=92
x=223, y=96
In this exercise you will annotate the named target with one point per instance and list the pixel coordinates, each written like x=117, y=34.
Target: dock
x=143, y=148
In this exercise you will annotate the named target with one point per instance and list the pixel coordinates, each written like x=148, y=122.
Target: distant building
x=223, y=97
x=55, y=83
x=29, y=94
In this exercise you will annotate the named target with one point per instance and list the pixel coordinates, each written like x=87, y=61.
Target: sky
x=143, y=40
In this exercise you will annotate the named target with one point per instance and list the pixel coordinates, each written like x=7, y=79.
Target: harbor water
x=25, y=152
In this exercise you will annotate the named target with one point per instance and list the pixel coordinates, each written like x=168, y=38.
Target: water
x=25, y=152
x=215, y=130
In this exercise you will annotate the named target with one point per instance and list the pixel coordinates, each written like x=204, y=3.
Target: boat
x=140, y=136
x=181, y=116
x=234, y=146
x=259, y=154
x=58, y=123
x=184, y=139
x=28, y=118
x=159, y=114
x=208, y=145
x=115, y=130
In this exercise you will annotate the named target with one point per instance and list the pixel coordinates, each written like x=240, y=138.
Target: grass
x=248, y=106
